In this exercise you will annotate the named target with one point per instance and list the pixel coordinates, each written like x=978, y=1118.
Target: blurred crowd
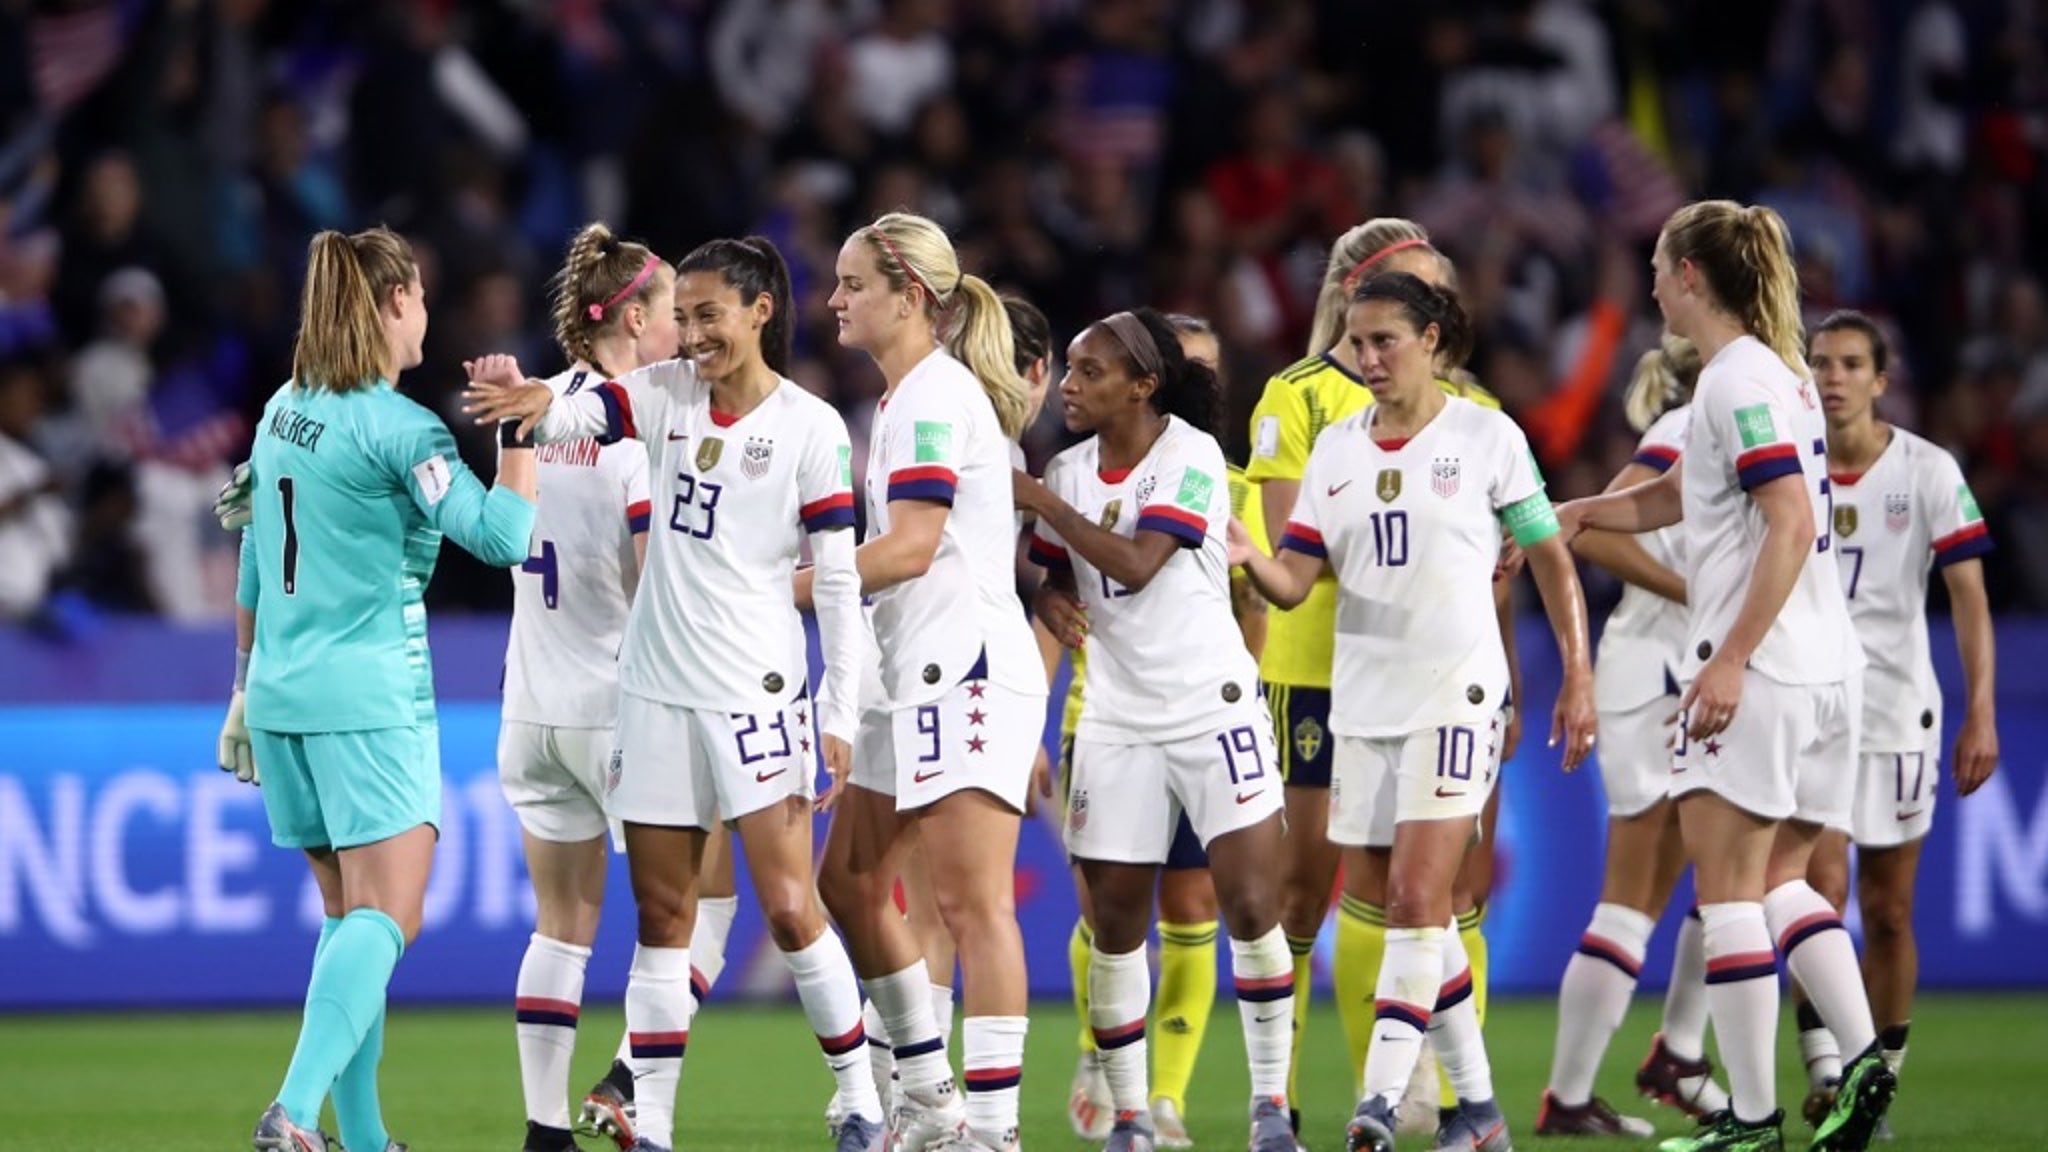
x=164, y=162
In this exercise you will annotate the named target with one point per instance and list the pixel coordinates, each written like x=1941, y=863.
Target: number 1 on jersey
x=287, y=495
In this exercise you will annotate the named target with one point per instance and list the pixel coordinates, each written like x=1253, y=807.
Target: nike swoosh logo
x=921, y=777
x=1270, y=1019
x=1441, y=794
x=764, y=777
x=1243, y=798
x=1907, y=815
x=1336, y=488
x=673, y=437
x=1392, y=1039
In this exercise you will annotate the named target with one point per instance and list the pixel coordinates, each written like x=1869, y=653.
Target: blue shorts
x=1184, y=854
x=348, y=789
x=1303, y=718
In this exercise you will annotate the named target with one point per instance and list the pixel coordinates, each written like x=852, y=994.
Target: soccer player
x=1132, y=522
x=1766, y=748
x=1297, y=406
x=353, y=485
x=614, y=312
x=963, y=680
x=1187, y=893
x=1635, y=687
x=714, y=719
x=1902, y=508
x=1405, y=501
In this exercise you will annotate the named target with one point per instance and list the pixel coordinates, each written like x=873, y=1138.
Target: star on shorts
x=976, y=744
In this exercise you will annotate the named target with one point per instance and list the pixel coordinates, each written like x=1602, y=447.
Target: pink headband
x=905, y=264
x=597, y=311
x=1351, y=280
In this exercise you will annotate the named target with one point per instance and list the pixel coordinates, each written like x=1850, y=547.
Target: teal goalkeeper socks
x=356, y=1106
x=344, y=1007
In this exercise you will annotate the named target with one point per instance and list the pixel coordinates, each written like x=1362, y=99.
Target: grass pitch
x=193, y=1082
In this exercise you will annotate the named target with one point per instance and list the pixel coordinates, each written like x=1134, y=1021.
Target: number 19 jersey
x=571, y=596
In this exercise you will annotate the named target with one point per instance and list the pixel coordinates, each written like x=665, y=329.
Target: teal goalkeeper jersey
x=351, y=493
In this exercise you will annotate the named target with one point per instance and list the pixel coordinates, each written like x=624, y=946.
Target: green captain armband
x=1531, y=521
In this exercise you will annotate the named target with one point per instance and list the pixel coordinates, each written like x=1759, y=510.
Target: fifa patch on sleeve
x=846, y=465
x=1755, y=426
x=1530, y=521
x=934, y=442
x=1266, y=441
x=433, y=477
x=1196, y=488
x=1966, y=500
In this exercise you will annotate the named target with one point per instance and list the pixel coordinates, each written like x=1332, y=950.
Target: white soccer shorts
x=1635, y=756
x=978, y=735
x=1894, y=798
x=1126, y=800
x=1436, y=774
x=683, y=767
x=1789, y=754
x=554, y=778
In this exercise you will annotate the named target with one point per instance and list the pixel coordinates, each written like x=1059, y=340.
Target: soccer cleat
x=859, y=1134
x=1168, y=1129
x=1593, y=1118
x=1819, y=1102
x=1271, y=1131
x=1088, y=1107
x=1129, y=1133
x=1687, y=1085
x=539, y=1138
x=927, y=1117
x=965, y=1139
x=646, y=1145
x=608, y=1107
x=1371, y=1128
x=275, y=1132
x=1722, y=1132
x=1868, y=1085
x=1474, y=1127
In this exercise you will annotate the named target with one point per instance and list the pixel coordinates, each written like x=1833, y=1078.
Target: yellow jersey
x=1299, y=402
x=1244, y=505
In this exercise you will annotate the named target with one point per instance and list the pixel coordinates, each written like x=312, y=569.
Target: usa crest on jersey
x=1443, y=476
x=755, y=456
x=1898, y=510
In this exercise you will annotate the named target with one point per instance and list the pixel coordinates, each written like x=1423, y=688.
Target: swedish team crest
x=1389, y=484
x=1308, y=735
x=755, y=456
x=708, y=451
x=1110, y=512
x=1898, y=510
x=1845, y=520
x=1443, y=476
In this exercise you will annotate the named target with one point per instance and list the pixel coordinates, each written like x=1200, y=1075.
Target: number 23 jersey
x=1412, y=529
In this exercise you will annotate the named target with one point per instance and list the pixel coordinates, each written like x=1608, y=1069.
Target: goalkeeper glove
x=234, y=753
x=231, y=507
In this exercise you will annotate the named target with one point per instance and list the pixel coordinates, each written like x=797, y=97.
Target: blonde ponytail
x=1351, y=257
x=341, y=345
x=1745, y=255
x=1663, y=380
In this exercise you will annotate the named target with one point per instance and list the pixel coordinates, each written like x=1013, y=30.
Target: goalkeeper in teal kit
x=351, y=486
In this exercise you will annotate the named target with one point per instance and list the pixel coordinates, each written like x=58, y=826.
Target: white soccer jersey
x=1754, y=421
x=937, y=439
x=1911, y=512
x=1412, y=529
x=570, y=598
x=715, y=625
x=1167, y=660
x=1639, y=646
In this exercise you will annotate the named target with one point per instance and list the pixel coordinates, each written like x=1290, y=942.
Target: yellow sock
x=1475, y=952
x=1187, y=993
x=1079, y=945
x=1361, y=945
x=1304, y=949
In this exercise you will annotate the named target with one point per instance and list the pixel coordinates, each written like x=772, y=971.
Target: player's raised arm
x=496, y=524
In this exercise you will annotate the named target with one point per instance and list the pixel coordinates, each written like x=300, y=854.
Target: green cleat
x=1722, y=1132
x=1868, y=1085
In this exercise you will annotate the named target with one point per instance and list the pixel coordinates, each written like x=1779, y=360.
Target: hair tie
x=597, y=311
x=906, y=266
x=1351, y=278
x=1138, y=343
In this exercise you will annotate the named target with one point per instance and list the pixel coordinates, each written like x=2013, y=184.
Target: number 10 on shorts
x=1454, y=748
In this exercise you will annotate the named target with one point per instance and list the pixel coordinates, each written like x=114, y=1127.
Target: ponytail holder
x=596, y=311
x=1351, y=278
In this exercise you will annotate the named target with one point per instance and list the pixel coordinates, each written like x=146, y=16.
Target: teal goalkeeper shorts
x=348, y=789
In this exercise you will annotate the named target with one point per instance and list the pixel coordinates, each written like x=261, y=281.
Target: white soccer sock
x=1817, y=1048
x=658, y=1024
x=1819, y=955
x=707, y=944
x=904, y=1002
x=548, y=1000
x=1263, y=970
x=1454, y=1027
x=1119, y=999
x=831, y=998
x=1593, y=997
x=1685, y=1001
x=942, y=1011
x=992, y=1064
x=1411, y=978
x=1742, y=998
